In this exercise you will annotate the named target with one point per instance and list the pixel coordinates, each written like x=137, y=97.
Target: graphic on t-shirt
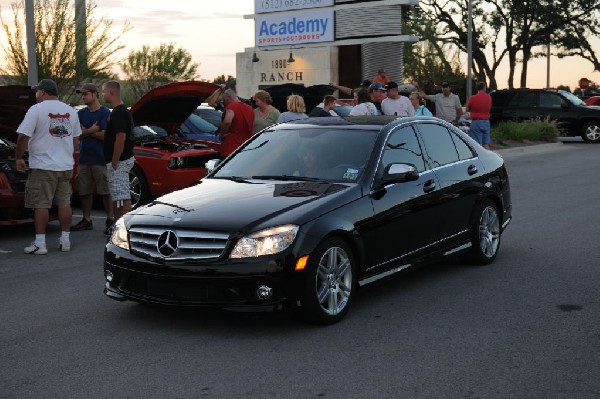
x=60, y=125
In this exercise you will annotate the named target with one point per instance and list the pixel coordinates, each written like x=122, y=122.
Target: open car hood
x=169, y=105
x=15, y=100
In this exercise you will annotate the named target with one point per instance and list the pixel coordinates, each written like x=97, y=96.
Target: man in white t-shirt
x=50, y=132
x=396, y=104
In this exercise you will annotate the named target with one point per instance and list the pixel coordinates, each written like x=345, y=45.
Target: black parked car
x=574, y=117
x=304, y=213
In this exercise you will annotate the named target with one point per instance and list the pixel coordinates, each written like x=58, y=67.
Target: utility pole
x=548, y=67
x=32, y=69
x=81, y=40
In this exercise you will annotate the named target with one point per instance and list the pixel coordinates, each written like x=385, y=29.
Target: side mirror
x=399, y=173
x=211, y=164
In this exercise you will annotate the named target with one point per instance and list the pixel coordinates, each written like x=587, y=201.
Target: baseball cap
x=87, y=87
x=48, y=85
x=365, y=83
x=445, y=84
x=376, y=86
x=391, y=85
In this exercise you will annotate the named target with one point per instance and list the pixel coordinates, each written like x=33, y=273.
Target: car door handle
x=429, y=186
x=471, y=170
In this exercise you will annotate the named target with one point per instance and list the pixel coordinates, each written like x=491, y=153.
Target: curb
x=531, y=149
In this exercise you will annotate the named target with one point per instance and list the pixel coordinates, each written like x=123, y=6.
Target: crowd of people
x=50, y=132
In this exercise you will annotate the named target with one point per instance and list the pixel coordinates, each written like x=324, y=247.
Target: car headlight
x=119, y=235
x=176, y=162
x=265, y=242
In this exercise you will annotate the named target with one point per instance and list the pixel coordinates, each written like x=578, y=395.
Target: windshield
x=201, y=125
x=210, y=115
x=572, y=98
x=328, y=153
x=148, y=132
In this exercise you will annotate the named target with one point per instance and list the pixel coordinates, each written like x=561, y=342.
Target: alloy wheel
x=489, y=231
x=334, y=280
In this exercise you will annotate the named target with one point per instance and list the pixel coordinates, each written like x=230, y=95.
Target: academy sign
x=296, y=28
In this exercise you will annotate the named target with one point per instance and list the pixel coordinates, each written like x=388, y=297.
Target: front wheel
x=591, y=132
x=485, y=234
x=138, y=187
x=330, y=283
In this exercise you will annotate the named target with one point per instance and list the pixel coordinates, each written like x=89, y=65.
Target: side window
x=524, y=99
x=550, y=100
x=438, y=144
x=464, y=151
x=403, y=147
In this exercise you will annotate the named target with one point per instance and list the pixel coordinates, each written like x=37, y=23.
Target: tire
x=590, y=133
x=329, y=284
x=485, y=234
x=138, y=187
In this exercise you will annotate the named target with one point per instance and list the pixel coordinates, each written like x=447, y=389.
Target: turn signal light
x=301, y=263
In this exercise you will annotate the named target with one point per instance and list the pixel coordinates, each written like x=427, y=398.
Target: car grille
x=188, y=245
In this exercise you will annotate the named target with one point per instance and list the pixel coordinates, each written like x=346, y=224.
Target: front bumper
x=229, y=285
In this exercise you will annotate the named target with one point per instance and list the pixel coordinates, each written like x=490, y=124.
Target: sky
x=213, y=31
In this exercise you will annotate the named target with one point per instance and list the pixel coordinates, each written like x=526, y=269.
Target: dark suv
x=574, y=117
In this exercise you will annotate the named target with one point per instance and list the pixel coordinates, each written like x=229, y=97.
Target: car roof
x=374, y=121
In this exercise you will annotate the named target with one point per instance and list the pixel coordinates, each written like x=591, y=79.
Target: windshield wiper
x=288, y=178
x=237, y=179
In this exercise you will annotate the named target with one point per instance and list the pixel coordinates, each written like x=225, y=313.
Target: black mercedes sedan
x=306, y=212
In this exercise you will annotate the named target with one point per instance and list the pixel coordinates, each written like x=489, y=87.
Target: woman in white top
x=363, y=106
x=296, y=109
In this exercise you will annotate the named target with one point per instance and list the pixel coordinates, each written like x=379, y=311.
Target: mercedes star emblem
x=167, y=243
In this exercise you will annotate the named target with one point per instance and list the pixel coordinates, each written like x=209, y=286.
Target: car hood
x=15, y=100
x=169, y=105
x=243, y=206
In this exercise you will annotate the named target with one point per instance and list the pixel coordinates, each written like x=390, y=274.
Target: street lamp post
x=469, y=48
x=32, y=69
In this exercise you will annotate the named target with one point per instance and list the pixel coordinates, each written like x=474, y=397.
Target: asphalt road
x=524, y=327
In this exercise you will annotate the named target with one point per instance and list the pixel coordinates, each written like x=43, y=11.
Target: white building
x=339, y=41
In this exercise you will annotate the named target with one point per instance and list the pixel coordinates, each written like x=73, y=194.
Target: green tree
x=55, y=44
x=431, y=61
x=517, y=29
x=148, y=68
x=221, y=79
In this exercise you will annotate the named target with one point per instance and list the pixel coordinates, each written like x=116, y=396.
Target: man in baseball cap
x=87, y=88
x=396, y=104
x=377, y=94
x=48, y=85
x=92, y=169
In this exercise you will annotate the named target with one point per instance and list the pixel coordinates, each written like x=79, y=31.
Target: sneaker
x=83, y=225
x=33, y=249
x=108, y=227
x=64, y=246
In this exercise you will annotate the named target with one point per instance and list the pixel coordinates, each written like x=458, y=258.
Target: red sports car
x=14, y=103
x=163, y=161
x=595, y=100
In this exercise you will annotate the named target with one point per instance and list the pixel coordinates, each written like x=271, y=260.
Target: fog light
x=264, y=292
x=108, y=276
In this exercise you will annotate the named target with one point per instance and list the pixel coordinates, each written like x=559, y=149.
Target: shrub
x=532, y=130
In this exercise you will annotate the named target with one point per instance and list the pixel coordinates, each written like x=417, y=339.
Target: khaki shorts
x=44, y=187
x=87, y=175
